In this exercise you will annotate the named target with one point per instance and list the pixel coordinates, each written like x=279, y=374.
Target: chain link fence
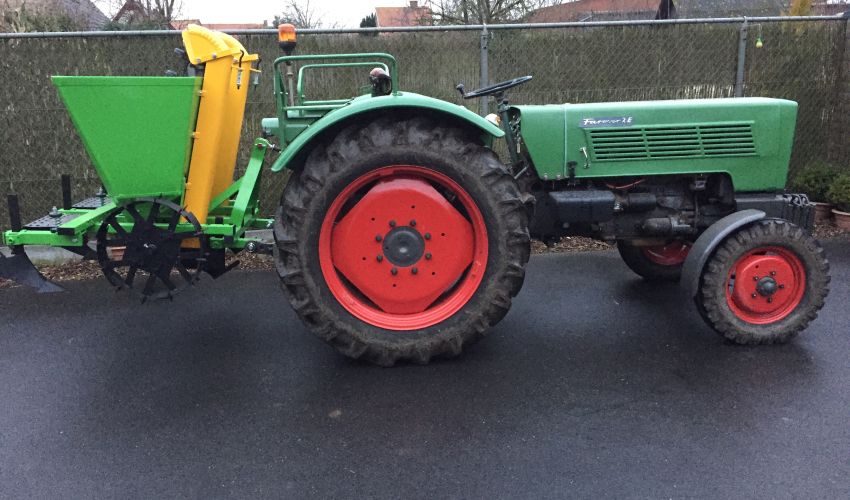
x=575, y=62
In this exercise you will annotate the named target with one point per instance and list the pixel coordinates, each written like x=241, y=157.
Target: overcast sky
x=346, y=13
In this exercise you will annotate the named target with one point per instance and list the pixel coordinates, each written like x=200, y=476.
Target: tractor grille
x=685, y=141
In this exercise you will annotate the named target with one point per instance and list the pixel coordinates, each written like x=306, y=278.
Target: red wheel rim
x=671, y=254
x=397, y=253
x=765, y=285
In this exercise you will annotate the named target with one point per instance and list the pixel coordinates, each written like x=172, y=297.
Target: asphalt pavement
x=596, y=384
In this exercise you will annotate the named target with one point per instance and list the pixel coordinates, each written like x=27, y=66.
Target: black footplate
x=49, y=222
x=93, y=202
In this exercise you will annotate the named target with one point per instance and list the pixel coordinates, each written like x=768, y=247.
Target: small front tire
x=764, y=284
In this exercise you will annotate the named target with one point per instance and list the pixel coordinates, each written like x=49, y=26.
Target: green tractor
x=400, y=234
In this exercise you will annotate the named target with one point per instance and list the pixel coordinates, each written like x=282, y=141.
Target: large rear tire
x=764, y=284
x=401, y=240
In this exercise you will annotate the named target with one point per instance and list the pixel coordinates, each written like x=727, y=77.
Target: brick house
x=412, y=15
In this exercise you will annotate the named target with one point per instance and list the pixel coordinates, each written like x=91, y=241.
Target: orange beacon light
x=286, y=38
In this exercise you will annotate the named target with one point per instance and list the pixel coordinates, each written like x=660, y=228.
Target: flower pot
x=823, y=211
x=842, y=219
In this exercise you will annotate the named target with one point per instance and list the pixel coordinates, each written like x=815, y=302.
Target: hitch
x=18, y=267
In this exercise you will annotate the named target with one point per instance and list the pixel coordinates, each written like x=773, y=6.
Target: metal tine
x=153, y=213
x=117, y=226
x=131, y=275
x=167, y=280
x=148, y=287
x=175, y=219
x=135, y=213
x=184, y=272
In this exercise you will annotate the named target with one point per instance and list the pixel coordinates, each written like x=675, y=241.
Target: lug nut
x=755, y=278
x=773, y=273
x=413, y=223
x=394, y=271
x=380, y=258
x=428, y=256
x=781, y=287
x=378, y=237
x=427, y=236
x=414, y=270
x=392, y=223
x=769, y=300
x=755, y=295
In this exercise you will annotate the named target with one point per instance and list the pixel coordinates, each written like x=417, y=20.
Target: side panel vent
x=679, y=141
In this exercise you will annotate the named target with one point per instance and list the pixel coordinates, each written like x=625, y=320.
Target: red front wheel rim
x=670, y=254
x=403, y=247
x=765, y=285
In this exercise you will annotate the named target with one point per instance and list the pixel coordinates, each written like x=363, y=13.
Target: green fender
x=367, y=104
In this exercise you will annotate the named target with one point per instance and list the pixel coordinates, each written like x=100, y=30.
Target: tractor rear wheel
x=764, y=284
x=401, y=240
x=655, y=263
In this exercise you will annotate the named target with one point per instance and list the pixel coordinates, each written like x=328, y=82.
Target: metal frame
x=232, y=213
x=309, y=111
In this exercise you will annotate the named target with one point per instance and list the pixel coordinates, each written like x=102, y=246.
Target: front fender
x=368, y=104
x=708, y=241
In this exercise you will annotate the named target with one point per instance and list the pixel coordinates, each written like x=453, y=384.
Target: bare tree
x=166, y=9
x=301, y=14
x=17, y=16
x=141, y=13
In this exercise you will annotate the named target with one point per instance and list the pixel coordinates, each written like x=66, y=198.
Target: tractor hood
x=748, y=138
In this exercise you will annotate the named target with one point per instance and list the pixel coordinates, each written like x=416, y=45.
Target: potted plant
x=839, y=195
x=814, y=180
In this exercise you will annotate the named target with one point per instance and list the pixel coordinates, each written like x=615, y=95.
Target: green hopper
x=137, y=130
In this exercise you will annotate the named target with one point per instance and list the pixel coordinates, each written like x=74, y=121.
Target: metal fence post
x=742, y=60
x=484, y=71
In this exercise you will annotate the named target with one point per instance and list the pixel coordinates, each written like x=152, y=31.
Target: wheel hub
x=404, y=246
x=765, y=285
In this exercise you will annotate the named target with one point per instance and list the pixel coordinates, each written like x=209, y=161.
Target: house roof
x=403, y=16
x=128, y=12
x=582, y=10
x=829, y=9
x=645, y=9
x=83, y=11
x=180, y=24
x=237, y=26
x=724, y=8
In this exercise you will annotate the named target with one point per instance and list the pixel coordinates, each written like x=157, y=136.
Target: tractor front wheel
x=764, y=284
x=401, y=240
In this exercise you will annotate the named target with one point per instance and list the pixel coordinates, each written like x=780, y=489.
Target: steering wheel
x=492, y=89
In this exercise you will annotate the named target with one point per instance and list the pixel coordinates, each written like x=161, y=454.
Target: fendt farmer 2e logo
x=614, y=121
